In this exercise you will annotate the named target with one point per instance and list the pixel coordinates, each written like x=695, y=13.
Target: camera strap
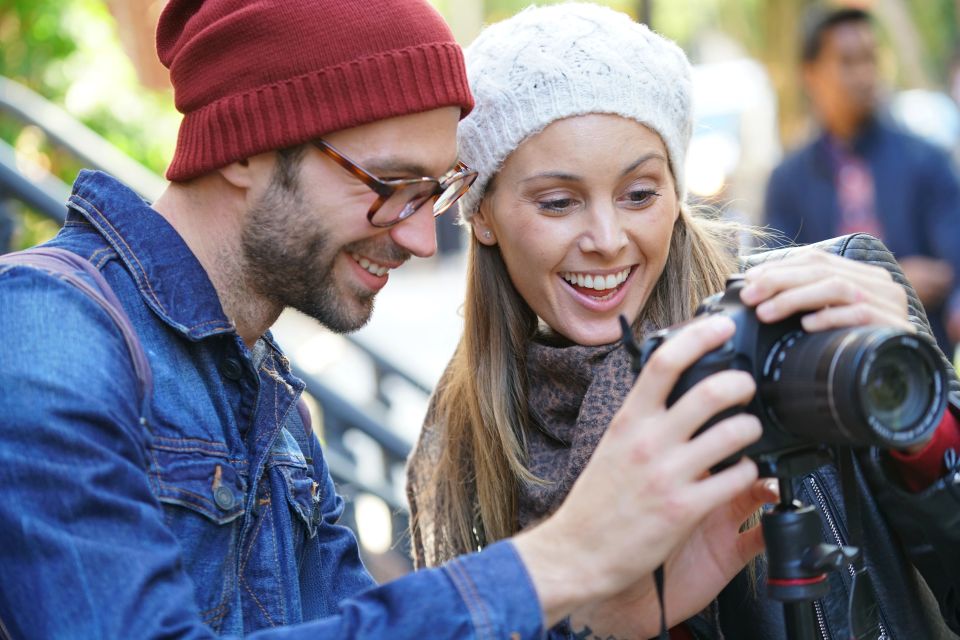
x=863, y=611
x=658, y=582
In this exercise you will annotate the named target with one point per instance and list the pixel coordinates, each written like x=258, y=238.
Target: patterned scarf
x=574, y=393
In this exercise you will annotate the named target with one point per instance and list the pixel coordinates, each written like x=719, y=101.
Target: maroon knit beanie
x=255, y=75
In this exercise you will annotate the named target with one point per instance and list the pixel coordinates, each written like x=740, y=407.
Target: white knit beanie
x=554, y=62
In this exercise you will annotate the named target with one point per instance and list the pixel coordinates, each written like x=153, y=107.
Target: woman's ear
x=480, y=223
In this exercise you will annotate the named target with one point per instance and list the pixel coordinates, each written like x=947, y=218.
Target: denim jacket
x=216, y=513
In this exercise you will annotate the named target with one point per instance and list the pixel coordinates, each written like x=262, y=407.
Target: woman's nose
x=605, y=233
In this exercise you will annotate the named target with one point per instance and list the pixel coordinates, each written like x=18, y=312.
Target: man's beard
x=288, y=259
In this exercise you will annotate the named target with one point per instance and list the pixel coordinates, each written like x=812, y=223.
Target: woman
x=578, y=216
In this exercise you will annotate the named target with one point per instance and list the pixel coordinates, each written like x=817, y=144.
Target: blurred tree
x=69, y=52
x=920, y=36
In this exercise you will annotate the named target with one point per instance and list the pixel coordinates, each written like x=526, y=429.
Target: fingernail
x=765, y=310
x=749, y=293
x=721, y=324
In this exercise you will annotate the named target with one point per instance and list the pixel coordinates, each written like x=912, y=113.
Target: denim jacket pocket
x=206, y=484
x=203, y=496
x=303, y=494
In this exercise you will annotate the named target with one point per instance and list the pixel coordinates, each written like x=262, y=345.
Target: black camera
x=858, y=387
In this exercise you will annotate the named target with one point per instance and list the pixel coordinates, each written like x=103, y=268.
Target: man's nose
x=418, y=233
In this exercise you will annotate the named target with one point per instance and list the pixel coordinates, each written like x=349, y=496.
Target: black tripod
x=797, y=557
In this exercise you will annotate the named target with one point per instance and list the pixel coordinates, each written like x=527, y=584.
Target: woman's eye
x=640, y=197
x=556, y=205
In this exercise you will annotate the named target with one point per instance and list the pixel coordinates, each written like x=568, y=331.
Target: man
x=206, y=507
x=863, y=174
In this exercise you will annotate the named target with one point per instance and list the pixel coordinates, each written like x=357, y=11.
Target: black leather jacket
x=911, y=542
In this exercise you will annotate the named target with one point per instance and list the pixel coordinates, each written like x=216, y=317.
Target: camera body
x=858, y=386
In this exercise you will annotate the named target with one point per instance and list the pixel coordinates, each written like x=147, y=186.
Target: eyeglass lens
x=405, y=201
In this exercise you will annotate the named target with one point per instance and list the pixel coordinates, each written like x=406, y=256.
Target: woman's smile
x=598, y=290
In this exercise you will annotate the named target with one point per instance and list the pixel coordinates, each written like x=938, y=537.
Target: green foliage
x=936, y=21
x=31, y=36
x=68, y=51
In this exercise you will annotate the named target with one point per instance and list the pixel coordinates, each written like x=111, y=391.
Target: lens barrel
x=865, y=386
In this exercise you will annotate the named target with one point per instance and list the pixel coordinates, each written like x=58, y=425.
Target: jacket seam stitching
x=467, y=589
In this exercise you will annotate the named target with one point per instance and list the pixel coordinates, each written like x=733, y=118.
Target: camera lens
x=859, y=386
x=892, y=393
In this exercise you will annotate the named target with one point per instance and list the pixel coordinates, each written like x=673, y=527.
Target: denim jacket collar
x=169, y=277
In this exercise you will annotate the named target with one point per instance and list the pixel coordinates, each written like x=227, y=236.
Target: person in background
x=579, y=216
x=863, y=173
x=318, y=138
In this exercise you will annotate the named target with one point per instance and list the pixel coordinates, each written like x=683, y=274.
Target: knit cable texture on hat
x=256, y=75
x=549, y=63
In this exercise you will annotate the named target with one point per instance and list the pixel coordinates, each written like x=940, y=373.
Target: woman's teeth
x=372, y=267
x=596, y=282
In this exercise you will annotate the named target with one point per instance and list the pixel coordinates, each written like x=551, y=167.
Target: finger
x=661, y=372
x=750, y=544
x=765, y=281
x=761, y=492
x=707, y=398
x=809, y=257
x=721, y=441
x=852, y=316
x=703, y=496
x=834, y=291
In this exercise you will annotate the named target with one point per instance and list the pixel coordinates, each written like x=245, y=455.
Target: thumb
x=763, y=491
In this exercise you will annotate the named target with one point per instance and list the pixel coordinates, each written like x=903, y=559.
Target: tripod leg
x=800, y=621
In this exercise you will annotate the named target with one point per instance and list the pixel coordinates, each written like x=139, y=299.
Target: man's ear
x=480, y=224
x=239, y=174
x=809, y=78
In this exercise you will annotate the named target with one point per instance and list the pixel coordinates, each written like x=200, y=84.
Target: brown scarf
x=574, y=393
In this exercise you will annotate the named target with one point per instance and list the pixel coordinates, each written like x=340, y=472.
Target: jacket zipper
x=824, y=507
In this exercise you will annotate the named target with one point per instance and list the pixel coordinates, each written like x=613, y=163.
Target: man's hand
x=647, y=486
x=932, y=279
x=694, y=573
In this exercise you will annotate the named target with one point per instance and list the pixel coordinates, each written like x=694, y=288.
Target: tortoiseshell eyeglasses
x=399, y=199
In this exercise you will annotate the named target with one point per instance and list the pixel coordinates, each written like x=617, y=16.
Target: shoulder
x=796, y=165
x=921, y=152
x=58, y=340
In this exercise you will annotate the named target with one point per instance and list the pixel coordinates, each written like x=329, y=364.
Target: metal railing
x=340, y=420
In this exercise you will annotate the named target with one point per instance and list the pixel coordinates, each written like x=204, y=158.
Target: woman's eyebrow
x=643, y=159
x=569, y=177
x=556, y=175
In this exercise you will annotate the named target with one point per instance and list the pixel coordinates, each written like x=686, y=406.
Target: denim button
x=224, y=497
x=231, y=368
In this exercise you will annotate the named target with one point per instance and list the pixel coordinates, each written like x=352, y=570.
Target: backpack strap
x=69, y=266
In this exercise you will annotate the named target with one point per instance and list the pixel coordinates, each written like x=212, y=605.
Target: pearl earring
x=487, y=235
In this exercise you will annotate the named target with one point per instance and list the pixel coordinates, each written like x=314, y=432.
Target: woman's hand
x=647, y=486
x=694, y=573
x=834, y=292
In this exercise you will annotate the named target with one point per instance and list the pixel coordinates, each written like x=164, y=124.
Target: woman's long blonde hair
x=466, y=497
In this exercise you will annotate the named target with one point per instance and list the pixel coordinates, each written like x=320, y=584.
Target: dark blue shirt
x=917, y=201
